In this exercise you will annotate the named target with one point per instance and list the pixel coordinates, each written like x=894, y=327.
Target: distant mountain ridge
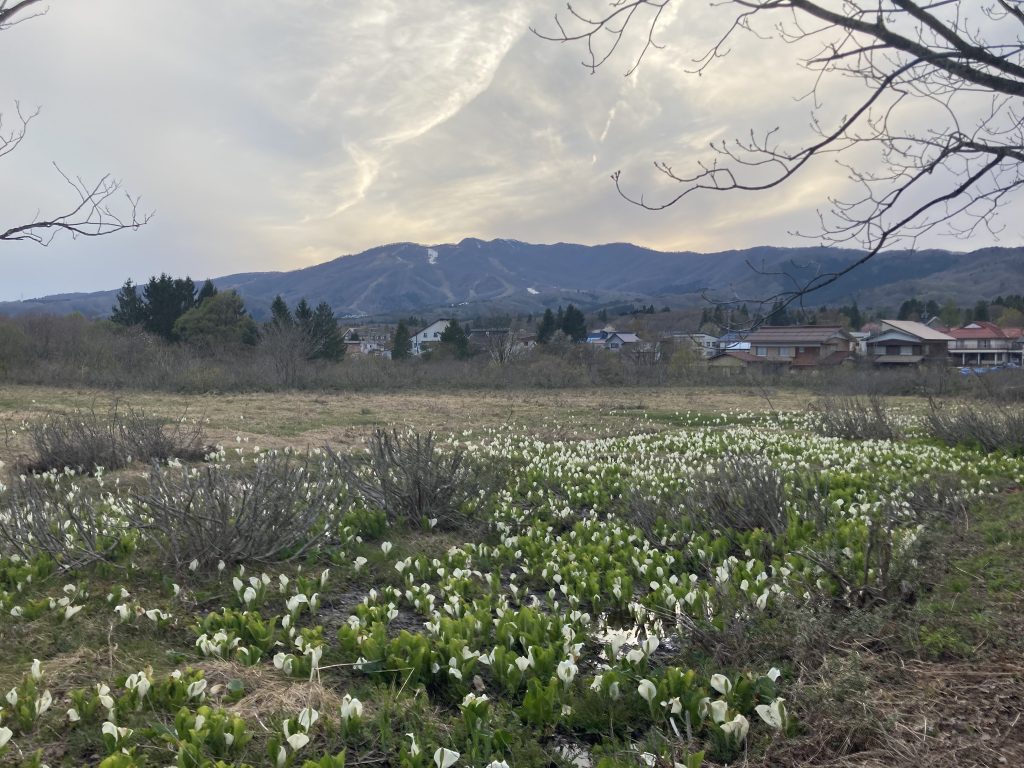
x=513, y=276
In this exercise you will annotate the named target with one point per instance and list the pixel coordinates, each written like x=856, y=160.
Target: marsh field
x=663, y=577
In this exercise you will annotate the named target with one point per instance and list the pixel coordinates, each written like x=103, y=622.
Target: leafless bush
x=741, y=493
x=274, y=507
x=989, y=427
x=49, y=515
x=85, y=440
x=411, y=478
x=855, y=418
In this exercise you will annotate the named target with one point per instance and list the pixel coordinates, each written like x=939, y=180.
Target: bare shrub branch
x=989, y=427
x=42, y=515
x=86, y=440
x=740, y=493
x=855, y=418
x=275, y=507
x=411, y=478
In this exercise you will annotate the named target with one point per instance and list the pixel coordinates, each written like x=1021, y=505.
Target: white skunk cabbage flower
x=647, y=690
x=721, y=683
x=736, y=728
x=445, y=758
x=774, y=714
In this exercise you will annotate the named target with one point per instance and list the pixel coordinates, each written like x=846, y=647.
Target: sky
x=276, y=135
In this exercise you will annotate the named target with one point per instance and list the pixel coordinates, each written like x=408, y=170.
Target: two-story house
x=906, y=342
x=983, y=344
x=802, y=346
x=423, y=339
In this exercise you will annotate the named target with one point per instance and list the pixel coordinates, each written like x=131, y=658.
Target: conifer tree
x=130, y=309
x=401, y=347
x=208, y=291
x=547, y=327
x=454, y=335
x=574, y=324
x=280, y=315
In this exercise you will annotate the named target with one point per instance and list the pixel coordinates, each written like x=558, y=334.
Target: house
x=620, y=339
x=732, y=361
x=906, y=342
x=736, y=340
x=802, y=346
x=599, y=336
x=705, y=343
x=982, y=344
x=861, y=339
x=609, y=338
x=423, y=339
x=369, y=340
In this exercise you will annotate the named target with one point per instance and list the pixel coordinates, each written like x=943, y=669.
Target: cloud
x=271, y=136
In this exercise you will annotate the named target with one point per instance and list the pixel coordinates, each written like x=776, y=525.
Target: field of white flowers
x=579, y=608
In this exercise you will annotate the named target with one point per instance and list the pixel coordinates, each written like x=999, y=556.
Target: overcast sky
x=278, y=134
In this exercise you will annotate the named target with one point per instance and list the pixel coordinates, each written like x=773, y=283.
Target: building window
x=785, y=351
x=762, y=351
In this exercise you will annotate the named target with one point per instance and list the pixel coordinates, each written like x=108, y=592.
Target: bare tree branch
x=100, y=209
x=951, y=173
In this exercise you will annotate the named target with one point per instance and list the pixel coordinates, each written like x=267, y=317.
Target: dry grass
x=305, y=419
x=266, y=690
x=916, y=713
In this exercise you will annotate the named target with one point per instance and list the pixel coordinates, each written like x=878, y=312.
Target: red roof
x=982, y=330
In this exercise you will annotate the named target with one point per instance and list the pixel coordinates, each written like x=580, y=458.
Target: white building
x=422, y=340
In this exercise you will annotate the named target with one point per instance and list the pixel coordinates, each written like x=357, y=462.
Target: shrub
x=275, y=507
x=86, y=440
x=408, y=476
x=740, y=493
x=47, y=515
x=855, y=418
x=989, y=427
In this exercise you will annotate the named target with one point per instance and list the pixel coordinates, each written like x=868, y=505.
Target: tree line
x=177, y=311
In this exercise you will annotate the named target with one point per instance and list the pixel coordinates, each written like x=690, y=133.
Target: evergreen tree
x=280, y=315
x=455, y=338
x=981, y=310
x=602, y=316
x=130, y=309
x=574, y=324
x=166, y=300
x=401, y=345
x=853, y=313
x=208, y=291
x=304, y=315
x=323, y=338
x=547, y=327
x=911, y=309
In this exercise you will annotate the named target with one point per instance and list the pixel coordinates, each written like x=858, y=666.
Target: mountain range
x=478, y=277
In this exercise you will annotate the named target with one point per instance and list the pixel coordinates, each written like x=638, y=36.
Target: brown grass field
x=311, y=419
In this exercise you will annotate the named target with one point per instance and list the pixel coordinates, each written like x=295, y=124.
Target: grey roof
x=802, y=335
x=920, y=330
